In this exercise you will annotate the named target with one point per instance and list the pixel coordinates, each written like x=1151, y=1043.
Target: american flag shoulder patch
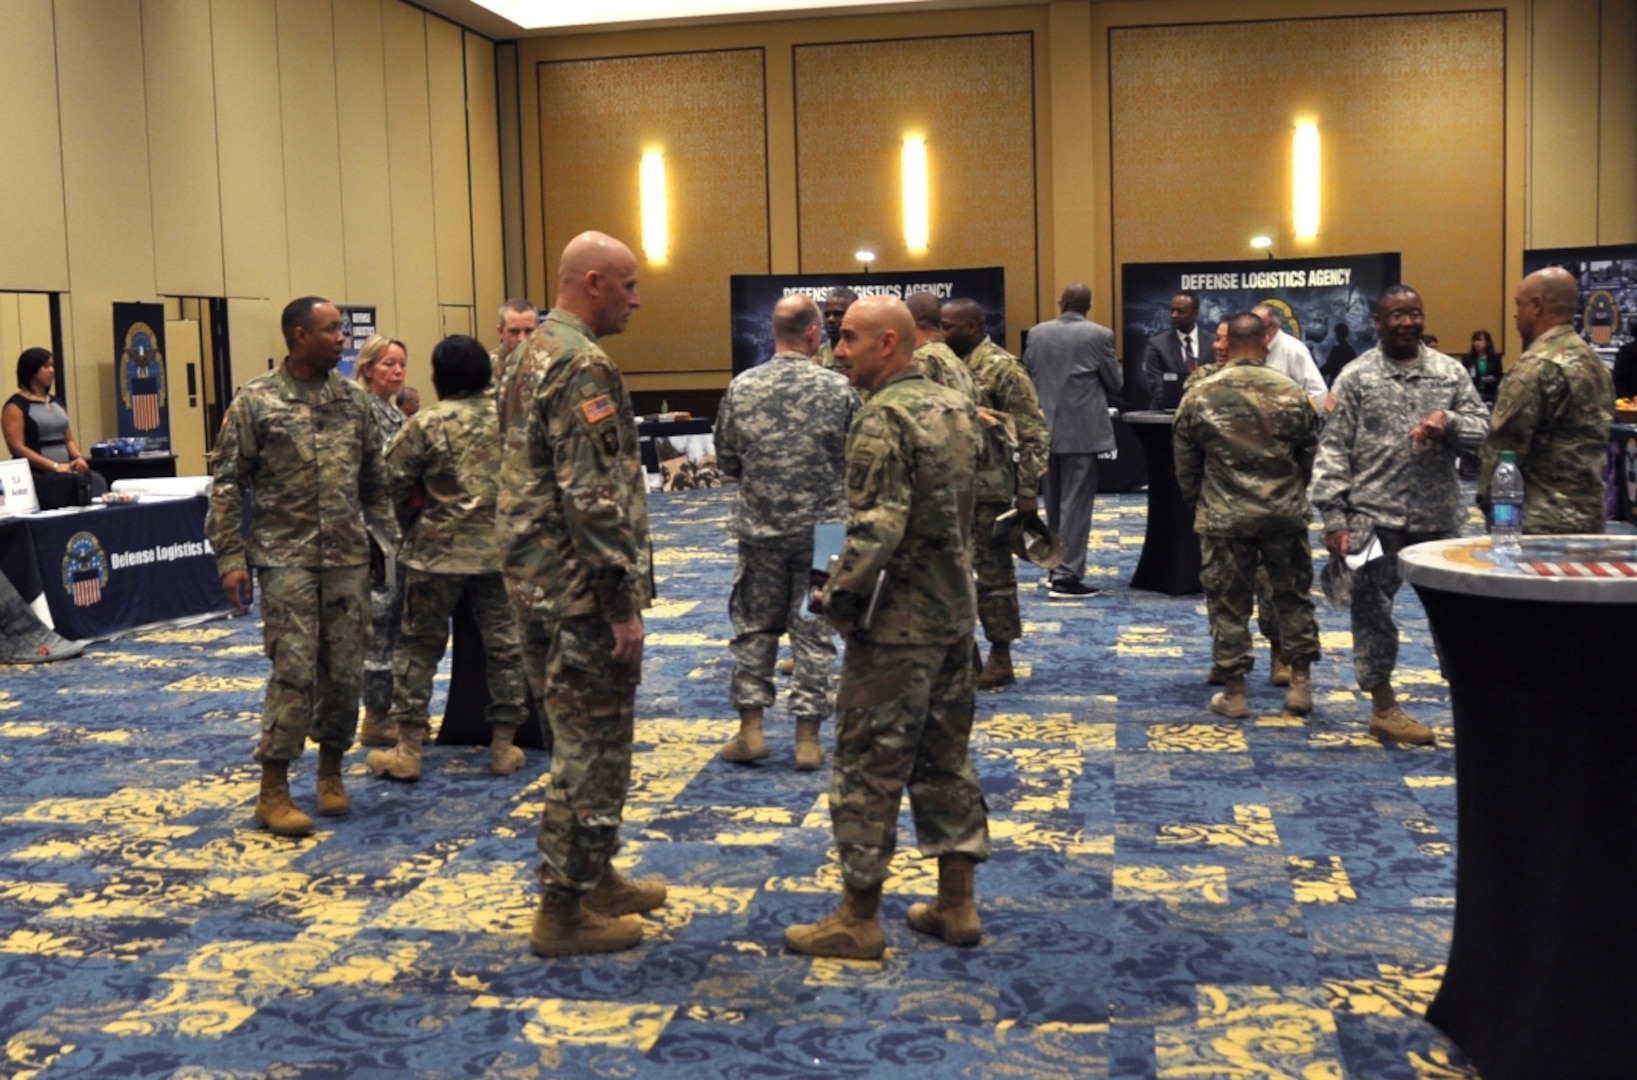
x=598, y=409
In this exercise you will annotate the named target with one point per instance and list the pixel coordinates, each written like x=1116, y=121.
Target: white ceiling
x=507, y=19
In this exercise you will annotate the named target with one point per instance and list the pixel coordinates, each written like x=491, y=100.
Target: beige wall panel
x=366, y=186
x=509, y=102
x=313, y=148
x=451, y=189
x=254, y=245
x=254, y=328
x=182, y=162
x=1070, y=225
x=1563, y=124
x=1617, y=155
x=1444, y=209
x=409, y=159
x=972, y=98
x=34, y=251
x=106, y=194
x=483, y=151
x=704, y=110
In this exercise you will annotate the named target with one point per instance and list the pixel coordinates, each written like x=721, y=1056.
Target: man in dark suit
x=1071, y=360
x=1173, y=355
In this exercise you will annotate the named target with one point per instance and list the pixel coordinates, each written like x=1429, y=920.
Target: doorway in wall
x=197, y=342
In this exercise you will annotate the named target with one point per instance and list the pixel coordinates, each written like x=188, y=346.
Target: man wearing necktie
x=1171, y=356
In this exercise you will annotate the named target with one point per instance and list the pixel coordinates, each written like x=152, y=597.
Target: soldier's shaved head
x=964, y=324
x=793, y=317
x=925, y=310
x=1247, y=336
x=1545, y=299
x=877, y=340
x=597, y=281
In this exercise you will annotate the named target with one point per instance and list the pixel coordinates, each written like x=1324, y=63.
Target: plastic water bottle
x=1506, y=510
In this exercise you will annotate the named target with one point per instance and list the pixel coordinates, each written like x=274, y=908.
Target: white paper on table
x=1371, y=552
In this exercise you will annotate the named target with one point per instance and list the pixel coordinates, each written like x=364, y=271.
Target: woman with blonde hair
x=380, y=370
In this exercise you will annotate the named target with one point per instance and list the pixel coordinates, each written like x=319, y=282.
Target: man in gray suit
x=1172, y=356
x=1071, y=360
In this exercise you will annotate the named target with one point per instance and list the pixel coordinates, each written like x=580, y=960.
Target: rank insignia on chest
x=598, y=409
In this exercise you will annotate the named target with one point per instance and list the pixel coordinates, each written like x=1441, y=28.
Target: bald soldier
x=572, y=518
x=902, y=596
x=1553, y=412
x=933, y=356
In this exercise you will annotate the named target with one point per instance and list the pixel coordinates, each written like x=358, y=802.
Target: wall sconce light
x=1304, y=173
x=656, y=230
x=916, y=228
x=1263, y=243
x=865, y=256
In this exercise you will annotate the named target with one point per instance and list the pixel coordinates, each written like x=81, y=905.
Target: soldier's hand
x=1430, y=430
x=236, y=584
x=628, y=636
x=1336, y=542
x=1027, y=504
x=815, y=601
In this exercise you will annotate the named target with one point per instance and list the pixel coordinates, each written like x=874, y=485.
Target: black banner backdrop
x=1608, y=290
x=140, y=391
x=1315, y=294
x=753, y=297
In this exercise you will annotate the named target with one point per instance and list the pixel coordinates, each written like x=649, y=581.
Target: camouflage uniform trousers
x=1375, y=584
x=590, y=702
x=904, y=717
x=770, y=588
x=997, y=578
x=385, y=612
x=1267, y=618
x=429, y=601
x=1229, y=574
x=315, y=629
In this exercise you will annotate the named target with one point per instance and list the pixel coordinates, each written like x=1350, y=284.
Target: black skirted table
x=1170, y=560
x=1538, y=658
x=465, y=713
x=1121, y=469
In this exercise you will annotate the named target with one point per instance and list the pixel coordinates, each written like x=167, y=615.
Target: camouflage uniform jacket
x=1366, y=465
x=497, y=363
x=1245, y=441
x=573, y=507
x=782, y=432
x=1004, y=386
x=1199, y=375
x=1554, y=412
x=452, y=451
x=910, y=461
x=312, y=461
x=826, y=357
x=939, y=363
x=389, y=419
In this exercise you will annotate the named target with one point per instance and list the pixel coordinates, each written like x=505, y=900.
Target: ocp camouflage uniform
x=1368, y=479
x=938, y=362
x=573, y=522
x=907, y=685
x=1244, y=441
x=452, y=451
x=782, y=432
x=497, y=364
x=385, y=595
x=1003, y=385
x=826, y=357
x=310, y=455
x=516, y=382
x=1553, y=412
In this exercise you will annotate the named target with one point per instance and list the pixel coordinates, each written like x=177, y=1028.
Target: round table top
x=1581, y=569
x=1150, y=416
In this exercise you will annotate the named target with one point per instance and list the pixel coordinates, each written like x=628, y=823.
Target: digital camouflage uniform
x=451, y=451
x=938, y=362
x=1244, y=441
x=573, y=521
x=781, y=432
x=907, y=685
x=1004, y=386
x=386, y=594
x=1369, y=480
x=309, y=453
x=1553, y=412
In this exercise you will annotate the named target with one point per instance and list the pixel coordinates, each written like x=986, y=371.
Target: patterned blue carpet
x=1171, y=895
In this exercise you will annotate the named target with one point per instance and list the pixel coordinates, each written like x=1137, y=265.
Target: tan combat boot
x=570, y=928
x=997, y=670
x=787, y=666
x=615, y=894
x=1299, y=698
x=853, y=932
x=954, y=917
x=1280, y=673
x=504, y=758
x=402, y=762
x=1230, y=701
x=332, y=797
x=377, y=729
x=274, y=810
x=809, y=752
x=749, y=745
x=1390, y=722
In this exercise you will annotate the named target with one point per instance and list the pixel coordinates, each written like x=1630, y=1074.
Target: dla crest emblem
x=85, y=569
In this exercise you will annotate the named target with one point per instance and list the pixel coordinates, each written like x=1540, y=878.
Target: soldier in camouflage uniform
x=302, y=441
x=1003, y=387
x=442, y=470
x=836, y=304
x=933, y=356
x=1554, y=411
x=518, y=319
x=782, y=431
x=1398, y=418
x=906, y=699
x=1244, y=440
x=573, y=521
x=380, y=371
